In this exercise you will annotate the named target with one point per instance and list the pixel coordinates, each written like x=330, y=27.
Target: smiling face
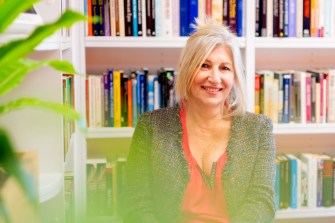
x=214, y=80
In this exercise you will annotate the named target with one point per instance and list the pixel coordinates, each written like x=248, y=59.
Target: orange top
x=204, y=196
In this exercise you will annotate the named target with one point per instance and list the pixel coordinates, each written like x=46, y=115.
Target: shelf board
x=49, y=186
x=109, y=132
x=141, y=42
x=278, y=129
x=303, y=129
x=292, y=42
x=305, y=213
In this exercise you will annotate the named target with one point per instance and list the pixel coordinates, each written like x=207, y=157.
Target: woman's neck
x=204, y=118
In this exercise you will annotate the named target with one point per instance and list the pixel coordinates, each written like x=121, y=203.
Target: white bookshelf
x=306, y=213
x=98, y=53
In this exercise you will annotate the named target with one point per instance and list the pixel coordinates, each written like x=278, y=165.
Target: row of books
x=160, y=18
x=105, y=184
x=68, y=100
x=295, y=18
x=291, y=96
x=117, y=98
x=304, y=180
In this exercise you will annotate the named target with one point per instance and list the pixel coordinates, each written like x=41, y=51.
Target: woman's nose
x=214, y=77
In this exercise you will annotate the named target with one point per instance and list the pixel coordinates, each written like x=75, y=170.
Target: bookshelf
x=41, y=131
x=99, y=53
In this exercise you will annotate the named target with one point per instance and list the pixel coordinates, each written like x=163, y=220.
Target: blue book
x=140, y=93
x=184, y=18
x=151, y=92
x=286, y=101
x=134, y=15
x=239, y=22
x=111, y=97
x=294, y=180
x=192, y=14
x=292, y=24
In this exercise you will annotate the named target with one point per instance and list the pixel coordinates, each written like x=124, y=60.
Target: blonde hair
x=208, y=34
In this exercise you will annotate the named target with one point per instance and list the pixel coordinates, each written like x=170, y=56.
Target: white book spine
x=112, y=17
x=217, y=10
x=324, y=107
x=201, y=9
x=327, y=17
x=175, y=18
x=321, y=26
x=158, y=17
x=166, y=25
x=269, y=18
x=299, y=18
x=331, y=96
x=121, y=17
x=144, y=18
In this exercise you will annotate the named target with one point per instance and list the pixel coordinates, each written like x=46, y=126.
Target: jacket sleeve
x=258, y=206
x=138, y=207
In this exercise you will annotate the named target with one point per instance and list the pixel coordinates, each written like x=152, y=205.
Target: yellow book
x=117, y=98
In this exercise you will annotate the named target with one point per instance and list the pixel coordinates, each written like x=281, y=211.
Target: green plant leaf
x=10, y=162
x=3, y=211
x=12, y=74
x=10, y=9
x=61, y=109
x=20, y=48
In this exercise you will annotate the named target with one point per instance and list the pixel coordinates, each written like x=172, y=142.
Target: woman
x=206, y=159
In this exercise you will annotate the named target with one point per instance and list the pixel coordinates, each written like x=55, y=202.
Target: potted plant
x=14, y=66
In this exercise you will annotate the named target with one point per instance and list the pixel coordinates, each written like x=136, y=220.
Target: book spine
x=121, y=17
x=148, y=17
x=139, y=18
x=128, y=17
x=232, y=15
x=292, y=22
x=192, y=14
x=286, y=107
x=308, y=99
x=153, y=17
x=281, y=14
x=134, y=17
x=327, y=185
x=239, y=18
x=117, y=98
x=263, y=15
x=130, y=102
x=117, y=17
x=111, y=98
x=217, y=10
x=101, y=14
x=106, y=100
x=299, y=17
x=184, y=18
x=275, y=18
x=306, y=25
x=286, y=17
x=107, y=21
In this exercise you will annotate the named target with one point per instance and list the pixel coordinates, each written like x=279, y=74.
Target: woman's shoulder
x=162, y=114
x=249, y=118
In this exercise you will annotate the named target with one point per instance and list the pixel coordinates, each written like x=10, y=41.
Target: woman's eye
x=204, y=65
x=225, y=68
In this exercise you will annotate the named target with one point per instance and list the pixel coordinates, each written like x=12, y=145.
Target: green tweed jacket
x=157, y=170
